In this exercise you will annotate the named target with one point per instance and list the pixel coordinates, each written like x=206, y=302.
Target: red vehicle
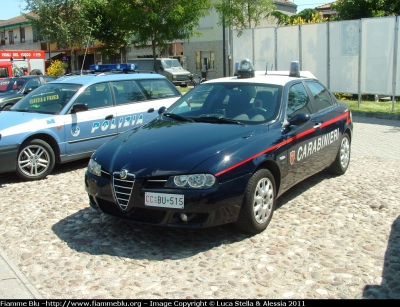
x=5, y=70
x=13, y=63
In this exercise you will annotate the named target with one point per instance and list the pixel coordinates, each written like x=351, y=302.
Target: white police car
x=69, y=118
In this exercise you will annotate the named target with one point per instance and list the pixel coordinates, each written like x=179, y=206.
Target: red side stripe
x=329, y=122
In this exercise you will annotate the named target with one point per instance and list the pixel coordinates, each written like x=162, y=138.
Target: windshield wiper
x=178, y=117
x=215, y=119
x=19, y=110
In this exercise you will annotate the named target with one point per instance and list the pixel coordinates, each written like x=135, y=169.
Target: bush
x=57, y=68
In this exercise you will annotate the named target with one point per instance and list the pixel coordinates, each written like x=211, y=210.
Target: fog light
x=184, y=217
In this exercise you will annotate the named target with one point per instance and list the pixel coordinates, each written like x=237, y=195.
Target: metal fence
x=355, y=57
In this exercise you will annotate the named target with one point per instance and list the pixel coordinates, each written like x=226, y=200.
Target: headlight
x=94, y=168
x=193, y=181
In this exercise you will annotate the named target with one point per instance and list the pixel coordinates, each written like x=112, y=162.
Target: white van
x=171, y=68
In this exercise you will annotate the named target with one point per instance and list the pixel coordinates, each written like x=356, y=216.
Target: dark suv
x=13, y=89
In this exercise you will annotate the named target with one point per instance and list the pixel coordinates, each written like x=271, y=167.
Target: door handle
x=317, y=125
x=108, y=117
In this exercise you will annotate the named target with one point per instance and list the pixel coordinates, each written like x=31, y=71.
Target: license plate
x=164, y=200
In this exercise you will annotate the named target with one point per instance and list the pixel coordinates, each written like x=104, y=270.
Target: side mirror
x=79, y=107
x=161, y=110
x=27, y=91
x=299, y=119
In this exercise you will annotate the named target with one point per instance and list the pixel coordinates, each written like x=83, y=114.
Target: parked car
x=171, y=68
x=223, y=152
x=69, y=118
x=13, y=89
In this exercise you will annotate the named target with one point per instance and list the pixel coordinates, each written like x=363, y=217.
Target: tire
x=35, y=160
x=342, y=160
x=258, y=203
x=7, y=107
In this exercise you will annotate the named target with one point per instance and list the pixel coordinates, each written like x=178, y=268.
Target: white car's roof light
x=294, y=69
x=246, y=69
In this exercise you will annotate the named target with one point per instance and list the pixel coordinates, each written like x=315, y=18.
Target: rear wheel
x=258, y=203
x=35, y=160
x=342, y=161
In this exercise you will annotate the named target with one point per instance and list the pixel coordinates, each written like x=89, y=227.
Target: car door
x=327, y=123
x=298, y=137
x=137, y=102
x=91, y=128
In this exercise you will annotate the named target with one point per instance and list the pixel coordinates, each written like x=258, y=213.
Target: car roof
x=104, y=77
x=271, y=77
x=23, y=77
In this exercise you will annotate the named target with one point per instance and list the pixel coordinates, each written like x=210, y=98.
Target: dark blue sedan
x=223, y=152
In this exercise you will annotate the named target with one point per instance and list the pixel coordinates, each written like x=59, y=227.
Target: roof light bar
x=294, y=69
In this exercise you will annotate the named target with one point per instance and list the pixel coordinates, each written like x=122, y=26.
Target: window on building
x=206, y=21
x=35, y=35
x=11, y=37
x=22, y=34
x=205, y=57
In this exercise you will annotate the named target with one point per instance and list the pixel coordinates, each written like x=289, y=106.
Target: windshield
x=48, y=99
x=11, y=84
x=170, y=63
x=242, y=102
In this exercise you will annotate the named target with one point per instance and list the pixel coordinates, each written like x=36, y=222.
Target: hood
x=169, y=147
x=10, y=94
x=10, y=120
x=178, y=70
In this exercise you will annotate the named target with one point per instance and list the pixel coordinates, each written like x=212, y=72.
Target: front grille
x=144, y=215
x=182, y=78
x=123, y=189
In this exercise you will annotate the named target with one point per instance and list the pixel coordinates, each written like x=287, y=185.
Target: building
x=17, y=33
x=326, y=10
x=209, y=48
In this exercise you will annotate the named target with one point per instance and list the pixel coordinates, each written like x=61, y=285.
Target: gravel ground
x=330, y=237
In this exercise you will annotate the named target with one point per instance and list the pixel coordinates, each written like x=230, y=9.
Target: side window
x=34, y=83
x=48, y=79
x=127, y=92
x=96, y=96
x=298, y=101
x=321, y=96
x=157, y=88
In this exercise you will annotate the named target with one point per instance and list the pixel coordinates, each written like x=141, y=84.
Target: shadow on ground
x=95, y=233
x=390, y=285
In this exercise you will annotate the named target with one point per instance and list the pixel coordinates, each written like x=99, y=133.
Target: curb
x=15, y=284
x=376, y=115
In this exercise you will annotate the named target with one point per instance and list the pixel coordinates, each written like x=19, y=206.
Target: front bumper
x=203, y=208
x=8, y=158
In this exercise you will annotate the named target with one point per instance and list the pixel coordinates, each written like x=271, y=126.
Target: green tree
x=282, y=19
x=304, y=17
x=357, y=9
x=388, y=7
x=307, y=14
x=105, y=27
x=59, y=21
x=159, y=22
x=243, y=14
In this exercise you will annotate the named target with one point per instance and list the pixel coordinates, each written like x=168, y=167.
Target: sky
x=13, y=8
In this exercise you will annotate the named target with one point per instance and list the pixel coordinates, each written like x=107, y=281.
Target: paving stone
x=331, y=237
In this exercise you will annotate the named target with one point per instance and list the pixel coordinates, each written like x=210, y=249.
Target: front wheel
x=35, y=160
x=258, y=203
x=7, y=107
x=342, y=160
